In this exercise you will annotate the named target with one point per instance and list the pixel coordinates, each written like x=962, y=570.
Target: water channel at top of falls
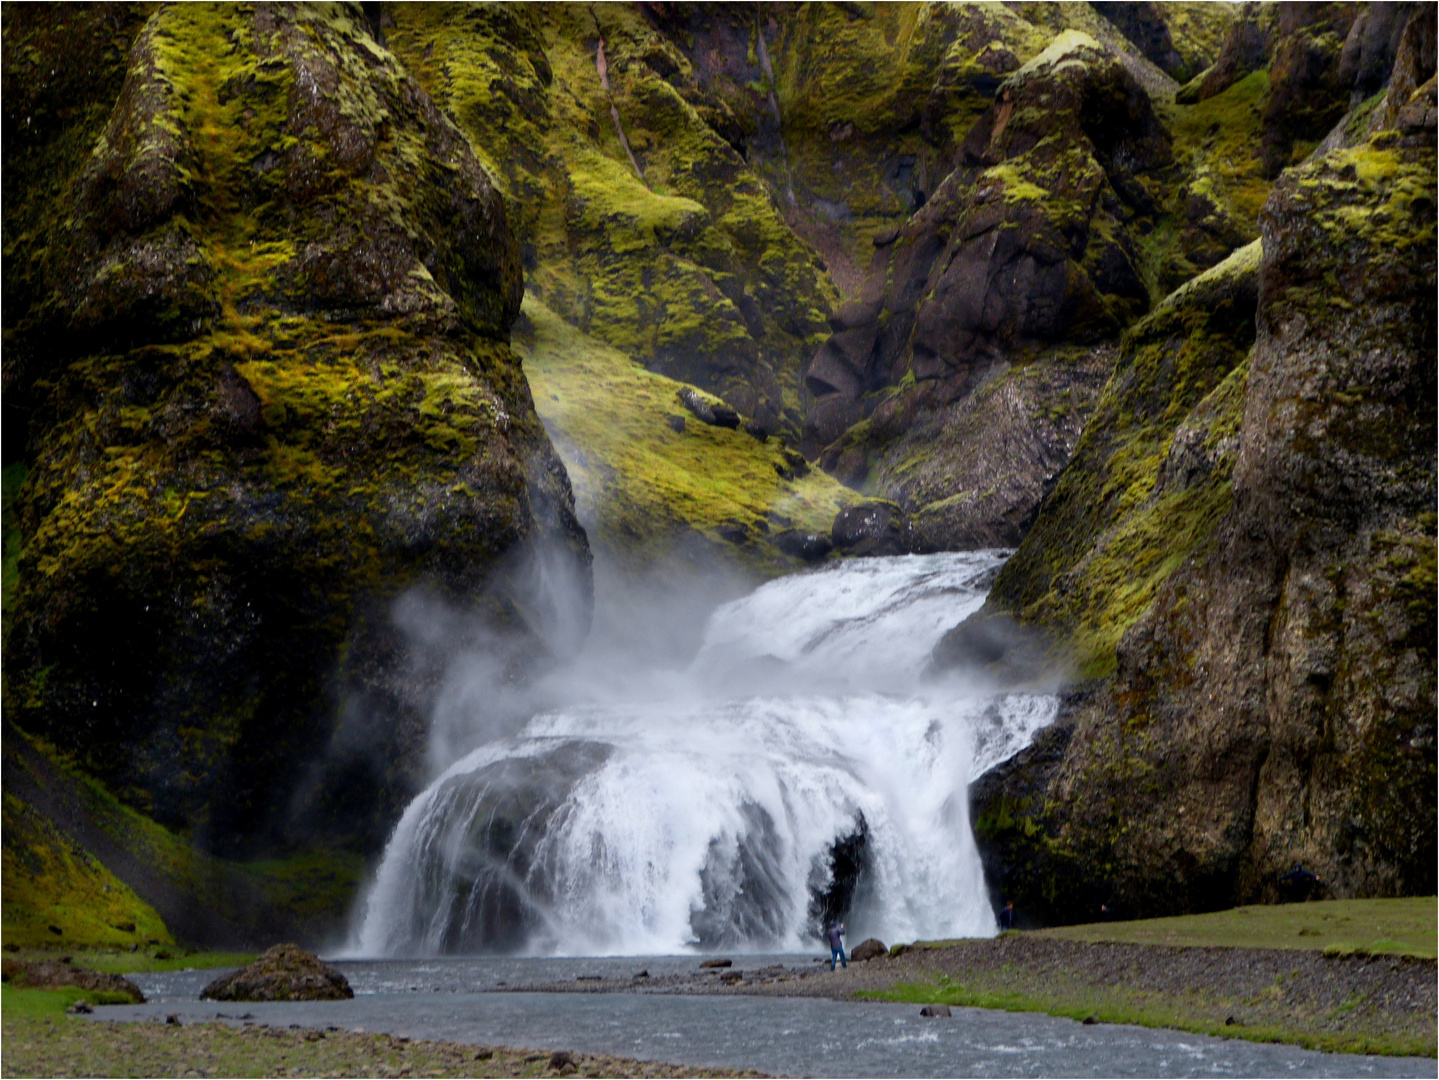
x=800, y=767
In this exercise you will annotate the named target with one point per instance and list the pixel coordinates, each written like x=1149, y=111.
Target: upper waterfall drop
x=797, y=770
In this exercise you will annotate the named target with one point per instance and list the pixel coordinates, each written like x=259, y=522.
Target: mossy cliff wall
x=258, y=325
x=641, y=224
x=1252, y=566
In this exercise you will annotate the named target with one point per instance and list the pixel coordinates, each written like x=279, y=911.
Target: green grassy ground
x=1399, y=927
x=124, y=962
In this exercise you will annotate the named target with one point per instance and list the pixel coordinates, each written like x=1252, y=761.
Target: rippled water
x=779, y=1036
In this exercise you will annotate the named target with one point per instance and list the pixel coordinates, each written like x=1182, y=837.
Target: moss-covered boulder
x=260, y=339
x=1272, y=697
x=281, y=973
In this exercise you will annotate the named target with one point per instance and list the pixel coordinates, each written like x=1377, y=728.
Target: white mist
x=662, y=811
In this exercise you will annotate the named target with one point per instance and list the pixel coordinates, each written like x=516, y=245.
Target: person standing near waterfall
x=836, y=944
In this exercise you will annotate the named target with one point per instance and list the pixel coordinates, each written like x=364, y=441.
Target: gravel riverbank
x=1357, y=1004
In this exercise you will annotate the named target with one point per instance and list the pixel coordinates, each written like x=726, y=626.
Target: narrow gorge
x=643, y=477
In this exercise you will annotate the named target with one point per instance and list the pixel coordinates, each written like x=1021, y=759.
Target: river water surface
x=451, y=1000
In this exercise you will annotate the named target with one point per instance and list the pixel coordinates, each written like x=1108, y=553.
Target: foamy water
x=799, y=769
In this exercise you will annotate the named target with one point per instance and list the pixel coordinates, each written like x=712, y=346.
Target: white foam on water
x=705, y=810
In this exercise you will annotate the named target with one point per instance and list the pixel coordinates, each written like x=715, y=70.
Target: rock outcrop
x=869, y=949
x=1025, y=247
x=281, y=973
x=63, y=975
x=259, y=338
x=1272, y=696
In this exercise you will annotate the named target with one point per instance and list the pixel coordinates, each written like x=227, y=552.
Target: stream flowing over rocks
x=797, y=770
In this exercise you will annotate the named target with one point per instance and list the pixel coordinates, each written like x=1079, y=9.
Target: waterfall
x=799, y=769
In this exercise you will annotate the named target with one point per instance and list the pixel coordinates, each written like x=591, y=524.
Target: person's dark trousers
x=833, y=953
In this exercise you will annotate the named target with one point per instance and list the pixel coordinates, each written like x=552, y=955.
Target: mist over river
x=798, y=768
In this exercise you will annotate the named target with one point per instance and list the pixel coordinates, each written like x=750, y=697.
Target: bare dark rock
x=282, y=973
x=984, y=273
x=870, y=528
x=935, y=1011
x=808, y=546
x=676, y=422
x=714, y=413
x=869, y=949
x=716, y=962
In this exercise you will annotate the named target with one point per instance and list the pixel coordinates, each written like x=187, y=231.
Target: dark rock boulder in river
x=282, y=973
x=870, y=528
x=259, y=337
x=1252, y=567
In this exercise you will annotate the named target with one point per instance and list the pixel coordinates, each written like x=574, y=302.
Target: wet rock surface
x=281, y=973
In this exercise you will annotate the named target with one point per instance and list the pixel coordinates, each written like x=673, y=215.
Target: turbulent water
x=799, y=769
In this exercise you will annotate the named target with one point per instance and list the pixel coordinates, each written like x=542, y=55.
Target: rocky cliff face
x=260, y=338
x=990, y=266
x=1272, y=688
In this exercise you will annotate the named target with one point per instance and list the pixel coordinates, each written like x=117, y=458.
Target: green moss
x=12, y=478
x=691, y=269
x=47, y=878
x=1218, y=185
x=1110, y=535
x=639, y=484
x=50, y=884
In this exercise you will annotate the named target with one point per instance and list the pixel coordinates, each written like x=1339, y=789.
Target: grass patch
x=1396, y=927
x=154, y=958
x=55, y=892
x=50, y=881
x=51, y=1003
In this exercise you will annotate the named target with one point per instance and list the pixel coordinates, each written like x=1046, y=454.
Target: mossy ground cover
x=641, y=484
x=56, y=892
x=50, y=881
x=126, y=962
x=40, y=1040
x=1403, y=926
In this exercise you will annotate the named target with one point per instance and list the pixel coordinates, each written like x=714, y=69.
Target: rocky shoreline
x=1353, y=1003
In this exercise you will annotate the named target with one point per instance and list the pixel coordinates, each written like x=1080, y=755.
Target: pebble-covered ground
x=64, y=1046
x=1358, y=1004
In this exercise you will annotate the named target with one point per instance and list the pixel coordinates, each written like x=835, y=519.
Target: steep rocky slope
x=991, y=266
x=1244, y=544
x=260, y=338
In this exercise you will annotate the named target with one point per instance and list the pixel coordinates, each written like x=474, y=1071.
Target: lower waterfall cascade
x=800, y=769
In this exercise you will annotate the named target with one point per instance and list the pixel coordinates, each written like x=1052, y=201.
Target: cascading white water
x=799, y=769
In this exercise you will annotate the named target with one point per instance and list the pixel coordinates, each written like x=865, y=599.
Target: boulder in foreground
x=282, y=973
x=869, y=949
